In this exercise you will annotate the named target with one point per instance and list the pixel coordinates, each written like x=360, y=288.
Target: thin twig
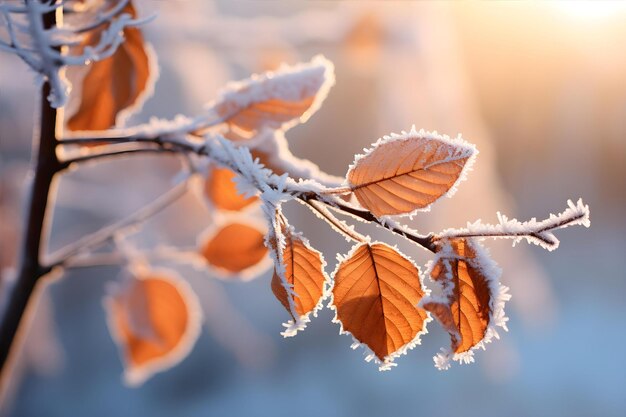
x=496, y=235
x=105, y=155
x=339, y=225
x=322, y=205
x=337, y=191
x=533, y=231
x=94, y=260
x=193, y=127
x=106, y=233
x=10, y=8
x=5, y=47
x=424, y=241
x=102, y=19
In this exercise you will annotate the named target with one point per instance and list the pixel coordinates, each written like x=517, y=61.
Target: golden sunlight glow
x=584, y=10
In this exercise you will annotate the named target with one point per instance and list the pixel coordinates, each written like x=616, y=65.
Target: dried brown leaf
x=277, y=99
x=375, y=295
x=155, y=319
x=114, y=84
x=408, y=172
x=234, y=248
x=471, y=299
x=304, y=275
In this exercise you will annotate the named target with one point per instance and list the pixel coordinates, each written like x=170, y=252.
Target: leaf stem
x=337, y=224
x=337, y=191
x=425, y=241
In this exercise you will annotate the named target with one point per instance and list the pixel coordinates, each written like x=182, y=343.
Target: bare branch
x=161, y=253
x=67, y=164
x=107, y=233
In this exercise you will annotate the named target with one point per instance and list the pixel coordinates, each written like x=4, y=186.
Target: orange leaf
x=155, y=318
x=408, y=172
x=305, y=278
x=235, y=248
x=115, y=84
x=221, y=189
x=364, y=42
x=268, y=160
x=375, y=295
x=471, y=298
x=277, y=99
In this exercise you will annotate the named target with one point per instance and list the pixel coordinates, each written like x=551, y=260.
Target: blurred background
x=540, y=87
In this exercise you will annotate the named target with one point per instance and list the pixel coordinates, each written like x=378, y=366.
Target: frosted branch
x=110, y=39
x=102, y=18
x=11, y=8
x=13, y=45
x=254, y=177
x=40, y=48
x=537, y=232
x=155, y=129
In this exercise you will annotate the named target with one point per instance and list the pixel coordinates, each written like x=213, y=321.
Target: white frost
x=38, y=46
x=537, y=232
x=444, y=289
x=456, y=149
x=288, y=83
x=118, y=294
x=388, y=361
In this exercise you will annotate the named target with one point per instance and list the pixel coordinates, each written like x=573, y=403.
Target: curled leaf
x=301, y=290
x=221, y=189
x=375, y=296
x=155, y=318
x=408, y=172
x=471, y=299
x=277, y=99
x=114, y=87
x=234, y=248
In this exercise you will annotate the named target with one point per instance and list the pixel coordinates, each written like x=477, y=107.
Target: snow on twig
x=537, y=232
x=39, y=47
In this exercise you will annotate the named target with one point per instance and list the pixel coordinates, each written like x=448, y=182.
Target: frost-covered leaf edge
x=292, y=327
x=136, y=376
x=287, y=73
x=498, y=297
x=221, y=220
x=388, y=361
x=458, y=142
